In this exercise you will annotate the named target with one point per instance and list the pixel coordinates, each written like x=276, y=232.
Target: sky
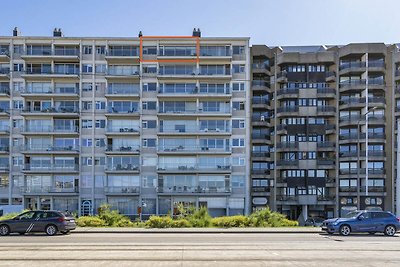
x=270, y=22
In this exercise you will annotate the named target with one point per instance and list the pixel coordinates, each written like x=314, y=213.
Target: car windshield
x=351, y=214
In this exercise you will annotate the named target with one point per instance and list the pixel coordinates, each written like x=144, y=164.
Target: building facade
x=323, y=128
x=144, y=124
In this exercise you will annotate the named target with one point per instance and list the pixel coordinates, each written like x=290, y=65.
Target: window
x=99, y=142
x=87, y=161
x=18, y=104
x=238, y=68
x=87, y=68
x=150, y=161
x=238, y=142
x=18, y=67
x=100, y=50
x=87, y=142
x=87, y=124
x=87, y=105
x=18, y=86
x=17, y=161
x=238, y=181
x=238, y=87
x=18, y=49
x=87, y=49
x=101, y=68
x=238, y=124
x=149, y=87
x=100, y=124
x=100, y=105
x=149, y=124
x=238, y=105
x=149, y=181
x=238, y=50
x=238, y=161
x=18, y=123
x=149, y=142
x=99, y=161
x=151, y=105
x=87, y=87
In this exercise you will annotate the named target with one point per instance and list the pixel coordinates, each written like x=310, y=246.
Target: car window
x=53, y=215
x=39, y=215
x=27, y=215
x=366, y=215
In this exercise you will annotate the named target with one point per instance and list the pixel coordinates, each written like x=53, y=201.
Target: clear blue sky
x=271, y=22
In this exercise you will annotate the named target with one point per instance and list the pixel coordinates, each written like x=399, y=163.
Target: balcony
x=67, y=111
x=49, y=149
x=183, y=189
x=326, y=161
x=282, y=77
x=4, y=129
x=260, y=85
x=326, y=92
x=326, y=110
x=50, y=130
x=123, y=72
x=4, y=168
x=133, y=110
x=5, y=72
x=357, y=84
x=127, y=149
x=54, y=91
x=259, y=154
x=261, y=67
x=121, y=190
x=4, y=149
x=289, y=110
x=397, y=75
x=322, y=145
x=123, y=130
x=66, y=52
x=123, y=91
x=175, y=71
x=183, y=149
x=195, y=168
x=50, y=168
x=215, y=51
x=287, y=163
x=4, y=51
x=352, y=67
x=4, y=89
x=48, y=190
x=347, y=189
x=287, y=145
x=193, y=91
x=287, y=93
x=330, y=76
x=122, y=52
x=122, y=168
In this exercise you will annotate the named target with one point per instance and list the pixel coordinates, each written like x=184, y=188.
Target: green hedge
x=188, y=218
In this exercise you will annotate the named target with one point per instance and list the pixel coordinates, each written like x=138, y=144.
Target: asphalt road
x=192, y=250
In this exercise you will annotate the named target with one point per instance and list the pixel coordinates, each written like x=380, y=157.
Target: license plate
x=72, y=221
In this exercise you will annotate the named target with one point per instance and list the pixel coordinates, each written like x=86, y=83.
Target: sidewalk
x=272, y=230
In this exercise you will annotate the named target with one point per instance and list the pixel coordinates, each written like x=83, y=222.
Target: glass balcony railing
x=66, y=69
x=177, y=51
x=4, y=70
x=39, y=70
x=124, y=148
x=49, y=189
x=51, y=167
x=123, y=51
x=52, y=110
x=123, y=167
x=44, y=128
x=184, y=148
x=350, y=83
x=123, y=90
x=123, y=129
x=193, y=189
x=215, y=51
x=214, y=70
x=351, y=65
x=61, y=51
x=178, y=70
x=50, y=148
x=39, y=51
x=129, y=71
x=122, y=189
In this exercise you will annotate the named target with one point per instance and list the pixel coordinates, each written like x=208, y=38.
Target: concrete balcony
x=50, y=168
x=176, y=150
x=122, y=190
x=287, y=93
x=326, y=92
x=122, y=168
x=49, y=130
x=30, y=149
x=122, y=149
x=68, y=112
x=49, y=190
x=352, y=67
x=193, y=190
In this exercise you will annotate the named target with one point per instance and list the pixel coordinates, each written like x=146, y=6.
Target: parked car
x=368, y=221
x=314, y=221
x=48, y=221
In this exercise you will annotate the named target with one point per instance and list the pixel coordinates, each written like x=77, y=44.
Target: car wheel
x=51, y=229
x=4, y=230
x=390, y=230
x=65, y=232
x=371, y=233
x=345, y=230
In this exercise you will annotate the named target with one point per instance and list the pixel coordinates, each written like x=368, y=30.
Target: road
x=192, y=250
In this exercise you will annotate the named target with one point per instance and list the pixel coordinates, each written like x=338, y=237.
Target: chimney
x=196, y=33
x=57, y=32
x=140, y=34
x=16, y=32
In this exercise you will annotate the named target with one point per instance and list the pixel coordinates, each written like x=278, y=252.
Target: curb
x=218, y=231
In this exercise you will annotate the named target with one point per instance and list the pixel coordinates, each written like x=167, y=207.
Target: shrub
x=159, y=222
x=90, y=221
x=11, y=215
x=200, y=218
x=112, y=217
x=180, y=223
x=268, y=218
x=231, y=221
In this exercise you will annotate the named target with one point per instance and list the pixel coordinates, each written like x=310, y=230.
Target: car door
x=39, y=221
x=365, y=222
x=23, y=222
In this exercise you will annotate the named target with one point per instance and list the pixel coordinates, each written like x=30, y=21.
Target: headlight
x=335, y=223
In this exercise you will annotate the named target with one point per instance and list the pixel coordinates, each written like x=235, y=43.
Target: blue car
x=363, y=221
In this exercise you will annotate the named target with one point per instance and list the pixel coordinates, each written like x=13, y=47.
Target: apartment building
x=323, y=128
x=144, y=124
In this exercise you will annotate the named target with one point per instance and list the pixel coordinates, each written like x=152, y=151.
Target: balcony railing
x=4, y=71
x=350, y=83
x=53, y=110
x=51, y=167
x=350, y=65
x=123, y=90
x=123, y=129
x=122, y=189
x=194, y=168
x=126, y=148
x=193, y=189
x=123, y=167
x=376, y=64
x=260, y=83
x=326, y=109
x=288, y=109
x=287, y=162
x=326, y=91
x=325, y=144
x=123, y=52
x=288, y=91
x=48, y=189
x=50, y=148
x=66, y=51
x=291, y=145
x=184, y=148
x=51, y=129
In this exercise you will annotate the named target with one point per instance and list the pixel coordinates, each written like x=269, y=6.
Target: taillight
x=398, y=219
x=61, y=219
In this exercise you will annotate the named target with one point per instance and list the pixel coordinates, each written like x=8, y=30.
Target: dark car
x=50, y=222
x=314, y=221
x=363, y=221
